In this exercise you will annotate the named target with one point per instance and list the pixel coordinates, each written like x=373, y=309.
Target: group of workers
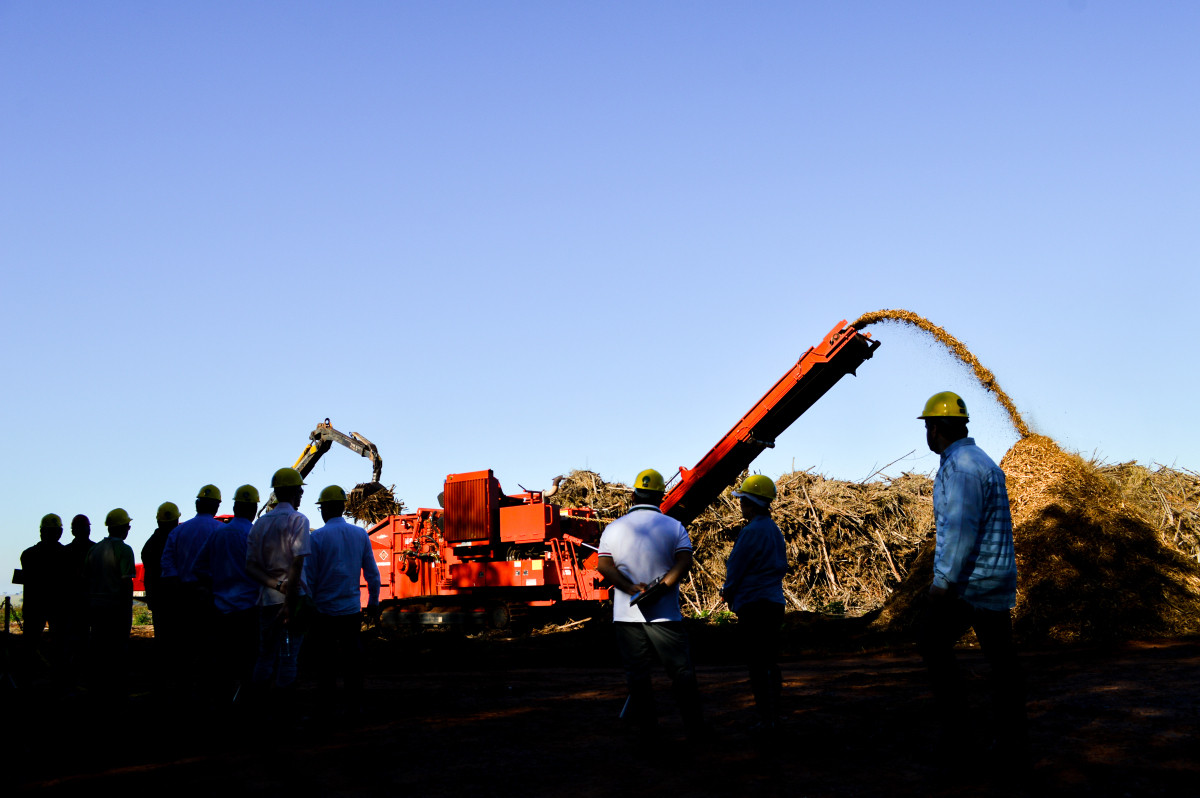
x=83, y=591
x=645, y=554
x=232, y=599
x=251, y=591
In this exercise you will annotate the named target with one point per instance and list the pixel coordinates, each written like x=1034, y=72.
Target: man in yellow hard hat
x=41, y=574
x=222, y=561
x=341, y=552
x=75, y=624
x=974, y=582
x=645, y=554
x=109, y=572
x=754, y=590
x=167, y=518
x=160, y=596
x=194, y=602
x=275, y=552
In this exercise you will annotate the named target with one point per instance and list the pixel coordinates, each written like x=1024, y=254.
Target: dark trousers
x=194, y=646
x=947, y=621
x=237, y=648
x=109, y=646
x=278, y=649
x=638, y=643
x=759, y=624
x=337, y=644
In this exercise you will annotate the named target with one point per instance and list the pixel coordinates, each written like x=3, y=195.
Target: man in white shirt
x=275, y=552
x=637, y=548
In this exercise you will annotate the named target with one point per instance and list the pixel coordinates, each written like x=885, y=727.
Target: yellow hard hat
x=757, y=486
x=946, y=404
x=51, y=521
x=246, y=493
x=209, y=492
x=650, y=480
x=332, y=494
x=167, y=511
x=287, y=478
x=117, y=517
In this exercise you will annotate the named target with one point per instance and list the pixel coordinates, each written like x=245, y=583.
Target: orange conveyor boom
x=841, y=352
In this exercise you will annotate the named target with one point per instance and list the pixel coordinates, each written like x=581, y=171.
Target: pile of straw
x=849, y=543
x=1093, y=565
x=1103, y=552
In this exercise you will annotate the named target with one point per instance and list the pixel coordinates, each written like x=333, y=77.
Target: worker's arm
x=256, y=572
x=291, y=588
x=683, y=564
x=958, y=525
x=608, y=569
x=167, y=562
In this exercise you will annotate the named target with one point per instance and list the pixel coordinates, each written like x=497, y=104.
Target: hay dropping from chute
x=1103, y=552
x=985, y=376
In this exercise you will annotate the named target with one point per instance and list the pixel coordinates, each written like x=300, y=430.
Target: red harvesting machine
x=484, y=555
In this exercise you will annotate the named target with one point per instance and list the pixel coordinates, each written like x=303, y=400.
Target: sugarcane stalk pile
x=372, y=502
x=1104, y=552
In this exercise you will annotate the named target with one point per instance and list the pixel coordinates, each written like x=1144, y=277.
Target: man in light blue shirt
x=192, y=601
x=234, y=594
x=340, y=553
x=974, y=586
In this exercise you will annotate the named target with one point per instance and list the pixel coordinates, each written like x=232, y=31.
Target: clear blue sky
x=540, y=236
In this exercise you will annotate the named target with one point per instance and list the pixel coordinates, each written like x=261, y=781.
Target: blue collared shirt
x=757, y=564
x=223, y=559
x=974, y=528
x=340, y=552
x=184, y=545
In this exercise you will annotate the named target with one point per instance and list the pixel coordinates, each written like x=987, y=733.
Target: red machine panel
x=471, y=501
x=528, y=523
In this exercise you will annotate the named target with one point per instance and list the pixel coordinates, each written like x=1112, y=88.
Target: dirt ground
x=531, y=715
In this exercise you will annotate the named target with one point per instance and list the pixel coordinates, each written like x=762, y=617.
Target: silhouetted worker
x=340, y=553
x=235, y=597
x=275, y=552
x=41, y=571
x=754, y=590
x=109, y=572
x=974, y=587
x=74, y=595
x=167, y=518
x=193, y=601
x=639, y=547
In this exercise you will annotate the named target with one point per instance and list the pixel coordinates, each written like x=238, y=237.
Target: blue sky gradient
x=540, y=236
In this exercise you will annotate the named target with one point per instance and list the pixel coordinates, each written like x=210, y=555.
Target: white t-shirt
x=643, y=544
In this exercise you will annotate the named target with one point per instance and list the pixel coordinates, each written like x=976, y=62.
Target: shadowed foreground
x=536, y=715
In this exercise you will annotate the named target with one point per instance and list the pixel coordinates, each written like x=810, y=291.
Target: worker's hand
x=373, y=612
x=939, y=594
x=638, y=587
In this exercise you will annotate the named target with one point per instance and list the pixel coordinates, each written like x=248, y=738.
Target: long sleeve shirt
x=974, y=550
x=223, y=559
x=340, y=552
x=757, y=564
x=184, y=545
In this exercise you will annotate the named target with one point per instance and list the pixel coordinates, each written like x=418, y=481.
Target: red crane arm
x=841, y=352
